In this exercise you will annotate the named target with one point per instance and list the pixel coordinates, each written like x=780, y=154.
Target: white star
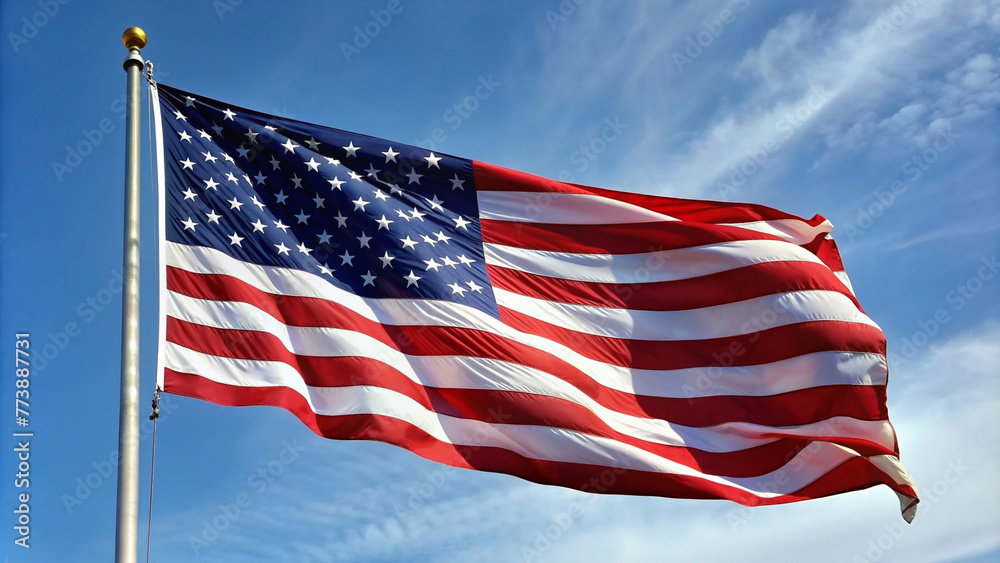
x=369, y=279
x=211, y=184
x=188, y=194
x=184, y=136
x=228, y=158
x=351, y=149
x=394, y=189
x=189, y=101
x=229, y=114
x=335, y=183
x=179, y=115
x=429, y=240
x=360, y=203
x=473, y=286
x=312, y=164
x=208, y=156
x=204, y=135
x=379, y=194
x=402, y=215
x=232, y=178
x=435, y=203
x=296, y=180
x=332, y=161
x=324, y=269
x=275, y=164
x=235, y=239
x=261, y=179
x=302, y=217
x=457, y=183
x=431, y=265
x=302, y=248
x=432, y=161
x=279, y=225
x=465, y=260
x=213, y=217
x=282, y=249
x=319, y=202
x=363, y=240
x=189, y=224
x=216, y=128
x=416, y=214
x=244, y=152
x=247, y=178
x=341, y=220
x=372, y=172
x=188, y=164
x=324, y=238
x=387, y=259
x=384, y=223
x=355, y=176
x=455, y=288
x=408, y=242
x=290, y=146
x=258, y=226
x=446, y=261
x=412, y=279
x=313, y=144
x=257, y=202
x=390, y=155
x=442, y=237
x=414, y=177
x=281, y=196
x=346, y=258
x=270, y=127
x=251, y=135
x=460, y=223
x=234, y=204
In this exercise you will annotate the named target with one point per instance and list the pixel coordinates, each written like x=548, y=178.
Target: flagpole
x=126, y=542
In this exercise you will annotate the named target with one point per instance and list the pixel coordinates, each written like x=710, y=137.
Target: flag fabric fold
x=490, y=319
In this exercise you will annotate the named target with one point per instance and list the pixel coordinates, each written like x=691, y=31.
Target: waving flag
x=493, y=320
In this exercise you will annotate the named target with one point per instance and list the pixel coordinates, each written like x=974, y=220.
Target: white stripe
x=825, y=368
x=664, y=265
x=562, y=209
x=329, y=342
x=729, y=319
x=793, y=230
x=534, y=442
x=161, y=191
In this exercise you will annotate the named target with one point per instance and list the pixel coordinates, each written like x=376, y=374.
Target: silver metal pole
x=126, y=542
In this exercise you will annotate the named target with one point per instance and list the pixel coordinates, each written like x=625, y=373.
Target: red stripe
x=852, y=475
x=489, y=177
x=767, y=346
x=730, y=286
x=787, y=409
x=763, y=347
x=623, y=238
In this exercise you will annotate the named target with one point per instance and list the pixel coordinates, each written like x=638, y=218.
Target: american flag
x=490, y=319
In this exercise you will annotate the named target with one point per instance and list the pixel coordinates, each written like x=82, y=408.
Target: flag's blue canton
x=378, y=218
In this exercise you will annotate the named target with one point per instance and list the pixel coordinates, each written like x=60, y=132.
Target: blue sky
x=879, y=115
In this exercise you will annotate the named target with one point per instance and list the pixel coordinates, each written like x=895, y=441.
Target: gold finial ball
x=134, y=37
